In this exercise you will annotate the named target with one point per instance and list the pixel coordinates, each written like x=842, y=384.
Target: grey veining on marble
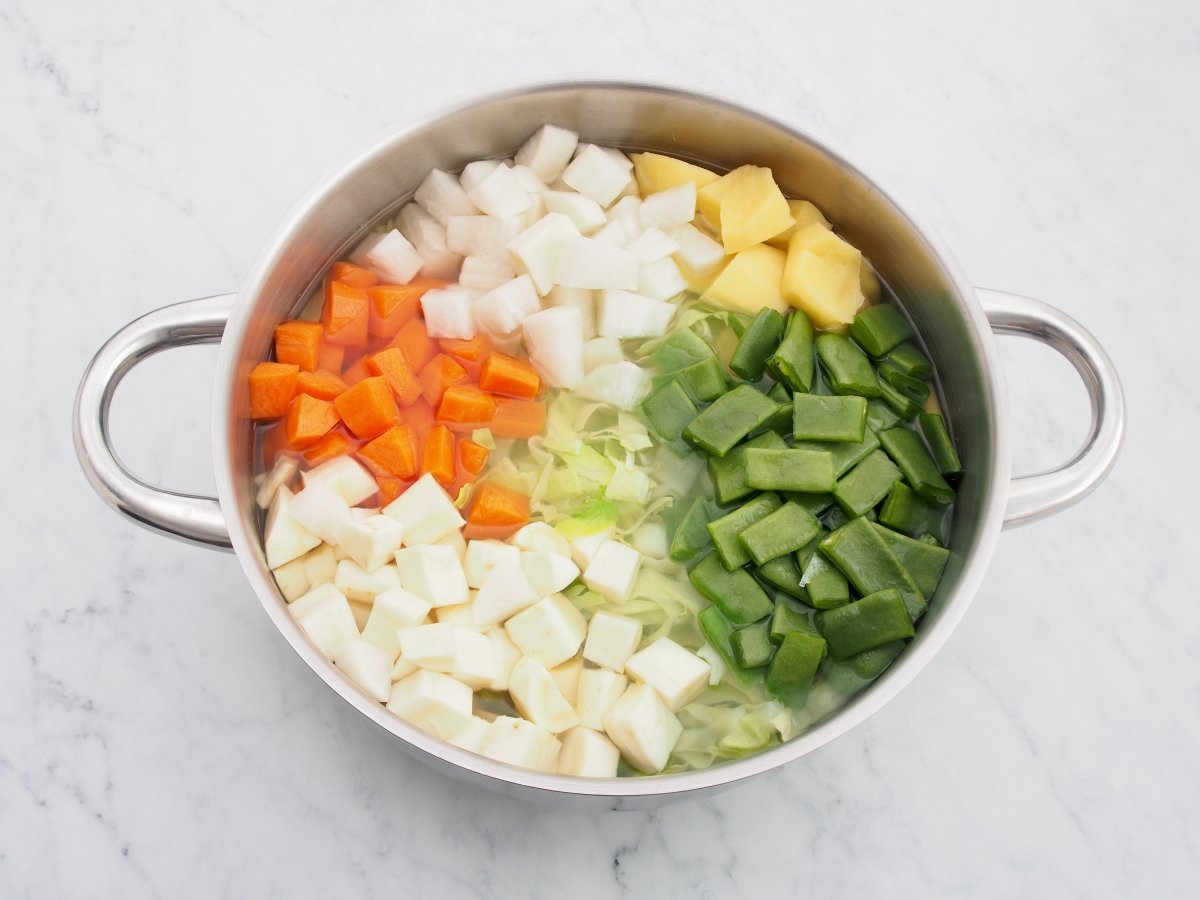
x=158, y=739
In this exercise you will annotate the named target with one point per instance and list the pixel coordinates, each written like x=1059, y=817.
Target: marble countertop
x=158, y=738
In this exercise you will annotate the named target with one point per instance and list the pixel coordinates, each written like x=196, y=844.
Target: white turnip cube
x=566, y=676
x=585, y=548
x=433, y=702
x=371, y=541
x=475, y=663
x=426, y=512
x=284, y=538
x=528, y=179
x=548, y=151
x=551, y=631
x=585, y=263
x=505, y=591
x=643, y=728
x=612, y=233
x=482, y=275
x=475, y=172
x=670, y=208
x=549, y=573
x=434, y=573
x=346, y=476
x=471, y=736
x=367, y=665
x=676, y=673
x=429, y=646
x=482, y=236
x=482, y=557
x=448, y=313
x=358, y=584
x=500, y=193
x=661, y=280
x=624, y=314
x=390, y=255
x=442, y=196
x=583, y=211
x=536, y=249
x=536, y=696
x=506, y=653
x=698, y=253
x=651, y=246
x=428, y=236
x=327, y=622
x=292, y=579
x=613, y=571
x=602, y=351
x=597, y=174
x=281, y=475
x=321, y=510
x=554, y=339
x=541, y=536
x=582, y=299
x=394, y=608
x=611, y=640
x=587, y=754
x=502, y=310
x=460, y=615
x=628, y=212
x=519, y=742
x=597, y=691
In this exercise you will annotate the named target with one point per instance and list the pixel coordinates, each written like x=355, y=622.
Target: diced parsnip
x=751, y=281
x=651, y=540
x=656, y=172
x=442, y=196
x=602, y=351
x=456, y=542
x=548, y=572
x=448, y=313
x=566, y=676
x=805, y=214
x=482, y=556
x=284, y=538
x=500, y=194
x=358, y=584
x=598, y=690
x=548, y=151
x=677, y=674
x=394, y=608
x=368, y=666
x=281, y=474
x=390, y=255
x=321, y=564
x=661, y=280
x=745, y=206
x=312, y=599
x=482, y=275
x=502, y=310
x=460, y=615
x=624, y=314
x=550, y=631
x=346, y=476
x=428, y=236
x=611, y=640
x=431, y=701
x=292, y=579
x=670, y=208
x=583, y=211
x=822, y=277
x=554, y=339
x=485, y=237
x=613, y=571
x=475, y=663
x=536, y=696
x=520, y=743
x=588, y=754
x=434, y=573
x=582, y=299
x=597, y=174
x=371, y=541
x=536, y=249
x=652, y=245
x=698, y=253
x=643, y=728
x=429, y=646
x=507, y=655
x=321, y=510
x=471, y=736
x=586, y=263
x=628, y=212
x=327, y=622
x=426, y=512
x=505, y=591
x=475, y=172
x=623, y=384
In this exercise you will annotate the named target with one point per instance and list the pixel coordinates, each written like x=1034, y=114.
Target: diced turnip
x=554, y=339
x=537, y=210
x=482, y=557
x=475, y=663
x=643, y=728
x=598, y=690
x=482, y=275
x=601, y=351
x=551, y=631
x=676, y=673
x=313, y=598
x=584, y=549
x=321, y=510
x=505, y=591
x=623, y=384
x=284, y=538
x=548, y=151
x=327, y=622
x=346, y=476
x=471, y=736
x=502, y=310
x=670, y=208
x=627, y=211
x=528, y=179
x=585, y=263
x=368, y=666
x=320, y=563
x=536, y=249
x=548, y=572
x=426, y=512
x=500, y=194
x=460, y=615
x=651, y=246
x=611, y=640
x=403, y=668
x=442, y=196
x=358, y=584
x=281, y=473
x=390, y=255
x=482, y=236
x=456, y=542
x=597, y=174
x=448, y=313
x=661, y=280
x=434, y=573
x=371, y=541
x=433, y=702
x=519, y=742
x=394, y=608
x=587, y=754
x=624, y=314
x=428, y=646
x=619, y=158
x=541, y=537
x=582, y=299
x=698, y=253
x=537, y=697
x=566, y=676
x=292, y=579
x=475, y=172
x=428, y=236
x=651, y=540
x=612, y=233
x=613, y=571
x=507, y=655
x=583, y=211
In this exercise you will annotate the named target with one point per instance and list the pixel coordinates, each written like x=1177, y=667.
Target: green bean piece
x=752, y=645
x=792, y=361
x=781, y=422
x=681, y=348
x=865, y=624
x=739, y=597
x=818, y=417
x=870, y=565
x=911, y=361
x=757, y=345
x=900, y=404
x=920, y=471
x=914, y=388
x=805, y=554
x=846, y=455
x=814, y=502
x=718, y=631
x=866, y=484
x=795, y=664
x=691, y=537
x=668, y=411
x=789, y=617
x=783, y=573
x=855, y=672
x=905, y=512
x=782, y=532
x=837, y=517
x=847, y=367
x=728, y=472
x=880, y=328
x=925, y=562
x=827, y=587
x=880, y=415
x=727, y=531
x=789, y=470
x=720, y=427
x=704, y=381
x=933, y=427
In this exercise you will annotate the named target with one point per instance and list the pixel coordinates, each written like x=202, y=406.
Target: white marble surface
x=158, y=738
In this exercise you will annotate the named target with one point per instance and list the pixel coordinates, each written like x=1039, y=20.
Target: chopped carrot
x=463, y=403
x=504, y=374
x=300, y=343
x=518, y=418
x=345, y=314
x=394, y=368
x=495, y=512
x=355, y=276
x=336, y=443
x=440, y=373
x=392, y=305
x=274, y=442
x=392, y=453
x=309, y=419
x=332, y=357
x=321, y=384
x=473, y=456
x=368, y=408
x=466, y=351
x=389, y=489
x=414, y=342
x=272, y=386
x=438, y=456
x=420, y=418
x=356, y=372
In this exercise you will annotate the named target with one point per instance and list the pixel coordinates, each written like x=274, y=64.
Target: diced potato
x=655, y=172
x=750, y=281
x=746, y=206
x=869, y=282
x=821, y=277
x=805, y=214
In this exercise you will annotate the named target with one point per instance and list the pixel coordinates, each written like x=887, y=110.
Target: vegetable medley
x=604, y=465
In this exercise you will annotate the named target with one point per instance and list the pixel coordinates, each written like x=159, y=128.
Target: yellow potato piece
x=750, y=281
x=869, y=282
x=822, y=276
x=746, y=206
x=805, y=214
x=655, y=172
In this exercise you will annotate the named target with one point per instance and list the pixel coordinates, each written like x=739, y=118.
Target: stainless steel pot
x=956, y=320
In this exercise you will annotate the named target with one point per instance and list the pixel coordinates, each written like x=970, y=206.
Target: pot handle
x=1032, y=497
x=195, y=519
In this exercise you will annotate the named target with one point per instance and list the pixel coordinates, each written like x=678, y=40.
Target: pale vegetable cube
x=460, y=615
x=611, y=640
x=822, y=277
x=292, y=579
x=428, y=235
x=321, y=510
x=475, y=172
x=677, y=674
x=448, y=313
x=652, y=245
x=746, y=206
x=403, y=668
x=618, y=157
x=346, y=476
x=623, y=384
x=656, y=172
x=313, y=598
x=370, y=541
x=661, y=280
x=651, y=540
x=624, y=314
x=583, y=211
x=503, y=309
x=698, y=253
x=442, y=196
x=602, y=351
x=751, y=281
x=433, y=702
x=549, y=573
x=529, y=180
x=393, y=609
x=586, y=263
x=483, y=237
x=505, y=591
x=361, y=612
x=456, y=542
x=628, y=212
x=500, y=193
x=475, y=663
x=520, y=743
x=550, y=631
x=281, y=475
x=548, y=151
x=582, y=299
x=554, y=338
x=327, y=622
x=597, y=691
x=506, y=653
x=536, y=696
x=869, y=282
x=284, y=538
x=613, y=571
x=471, y=736
x=390, y=255
x=358, y=584
x=805, y=214
x=482, y=557
x=588, y=754
x=368, y=666
x=566, y=676
x=426, y=512
x=434, y=573
x=612, y=233
x=429, y=646
x=670, y=208
x=596, y=174
x=585, y=548
x=536, y=212
x=643, y=728
x=482, y=275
